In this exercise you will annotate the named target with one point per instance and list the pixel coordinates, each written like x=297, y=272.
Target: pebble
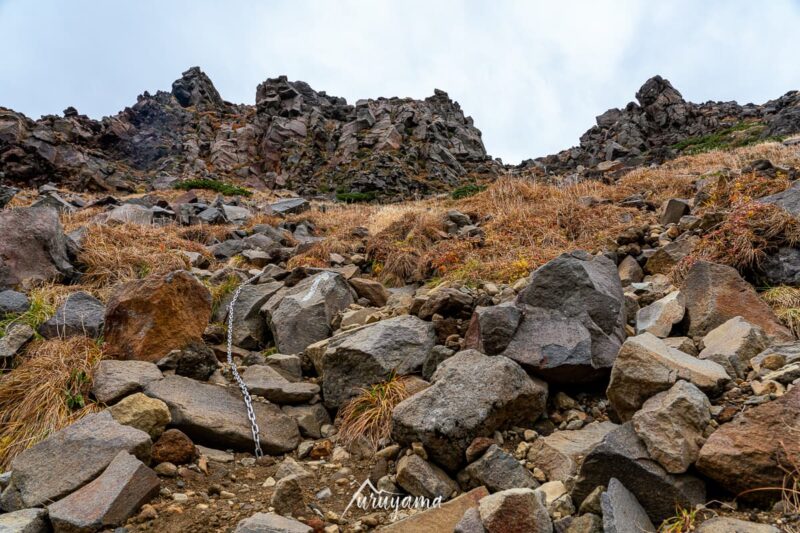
x=180, y=497
x=269, y=482
x=224, y=494
x=248, y=461
x=324, y=494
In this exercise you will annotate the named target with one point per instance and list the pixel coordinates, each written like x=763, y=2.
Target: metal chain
x=248, y=402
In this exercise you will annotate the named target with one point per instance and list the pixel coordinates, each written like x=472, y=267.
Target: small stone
x=166, y=469
x=175, y=447
x=139, y=411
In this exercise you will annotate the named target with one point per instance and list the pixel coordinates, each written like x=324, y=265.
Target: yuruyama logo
x=368, y=498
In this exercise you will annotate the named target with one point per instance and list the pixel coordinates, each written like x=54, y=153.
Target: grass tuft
x=226, y=189
x=47, y=391
x=369, y=415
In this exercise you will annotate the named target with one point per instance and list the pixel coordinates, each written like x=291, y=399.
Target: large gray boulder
x=302, y=315
x=112, y=498
x=33, y=248
x=496, y=470
x=622, y=512
x=587, y=289
x=646, y=366
x=215, y=416
x=83, y=450
x=672, y=424
x=623, y=455
x=80, y=314
x=492, y=328
x=460, y=405
x=13, y=302
x=368, y=355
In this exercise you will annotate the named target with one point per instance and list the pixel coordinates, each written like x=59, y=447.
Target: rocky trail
x=609, y=349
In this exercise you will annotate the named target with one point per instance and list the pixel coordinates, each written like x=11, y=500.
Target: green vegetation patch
x=467, y=191
x=213, y=185
x=736, y=136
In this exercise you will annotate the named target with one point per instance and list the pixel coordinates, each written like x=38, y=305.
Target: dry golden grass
x=47, y=391
x=113, y=254
x=785, y=301
x=369, y=415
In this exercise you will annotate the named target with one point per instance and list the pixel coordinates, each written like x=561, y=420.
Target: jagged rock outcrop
x=293, y=137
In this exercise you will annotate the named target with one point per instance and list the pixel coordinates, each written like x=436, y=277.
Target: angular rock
x=630, y=271
x=25, y=521
x=726, y=524
x=674, y=209
x=139, y=411
x=622, y=512
x=215, y=415
x=113, y=380
x=443, y=518
x=646, y=366
x=368, y=355
x=732, y=344
x=748, y=452
x=515, y=511
x=497, y=470
x=84, y=449
x=288, y=366
x=559, y=453
x=776, y=357
x=195, y=360
x=788, y=199
x=623, y=455
x=33, y=248
x=370, y=289
x=80, y=314
x=290, y=467
x=782, y=267
x=271, y=523
x=173, y=446
x=262, y=380
x=492, y=328
x=288, y=496
x=302, y=315
x=458, y=407
x=672, y=423
x=418, y=477
x=17, y=335
x=124, y=486
x=659, y=317
x=716, y=293
x=310, y=418
x=148, y=318
x=588, y=289
x=249, y=328
x=470, y=522
x=666, y=257
x=13, y=302
x=447, y=302
x=289, y=205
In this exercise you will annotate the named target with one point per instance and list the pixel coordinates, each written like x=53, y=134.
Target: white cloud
x=532, y=74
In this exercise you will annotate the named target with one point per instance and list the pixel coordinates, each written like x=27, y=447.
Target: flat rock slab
x=444, y=518
x=721, y=524
x=83, y=449
x=124, y=486
x=271, y=523
x=265, y=381
x=24, y=521
x=113, y=380
x=745, y=453
x=497, y=470
x=216, y=416
x=459, y=406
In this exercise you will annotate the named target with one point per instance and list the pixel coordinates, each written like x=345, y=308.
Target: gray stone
x=310, y=418
x=622, y=512
x=646, y=366
x=659, y=317
x=470, y=522
x=288, y=366
x=492, y=328
x=437, y=356
x=6, y=194
x=446, y=302
x=368, y=355
x=788, y=199
x=630, y=271
x=497, y=470
x=668, y=256
x=262, y=380
x=558, y=454
x=288, y=496
x=271, y=523
x=674, y=209
x=113, y=380
x=290, y=467
x=17, y=335
x=33, y=248
x=302, y=315
x=109, y=500
x=585, y=288
x=13, y=302
x=289, y=205
x=24, y=521
x=372, y=290
x=623, y=455
x=83, y=449
x=732, y=345
x=726, y=524
x=776, y=356
x=672, y=423
x=458, y=407
x=515, y=511
x=195, y=360
x=782, y=267
x=130, y=214
x=418, y=477
x=214, y=415
x=80, y=314
x=249, y=328
x=586, y=523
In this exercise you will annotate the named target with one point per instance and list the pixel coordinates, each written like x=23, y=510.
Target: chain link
x=248, y=401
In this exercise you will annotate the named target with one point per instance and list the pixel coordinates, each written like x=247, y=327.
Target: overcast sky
x=533, y=75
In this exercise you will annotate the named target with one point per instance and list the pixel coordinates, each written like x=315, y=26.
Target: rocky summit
x=199, y=332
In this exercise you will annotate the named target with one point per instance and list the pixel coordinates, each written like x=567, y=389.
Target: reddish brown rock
x=148, y=318
x=716, y=293
x=748, y=452
x=443, y=518
x=173, y=446
x=107, y=501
